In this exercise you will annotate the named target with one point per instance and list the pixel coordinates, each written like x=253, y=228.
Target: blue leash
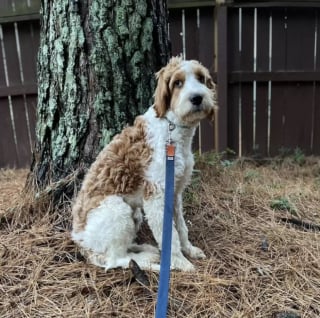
x=165, y=261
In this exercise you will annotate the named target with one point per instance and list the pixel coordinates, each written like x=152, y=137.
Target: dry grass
x=257, y=265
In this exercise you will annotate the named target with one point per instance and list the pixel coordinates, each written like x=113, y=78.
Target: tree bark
x=96, y=67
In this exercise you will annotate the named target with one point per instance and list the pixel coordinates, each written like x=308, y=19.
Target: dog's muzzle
x=196, y=101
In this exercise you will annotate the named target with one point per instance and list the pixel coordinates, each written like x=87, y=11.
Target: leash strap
x=165, y=261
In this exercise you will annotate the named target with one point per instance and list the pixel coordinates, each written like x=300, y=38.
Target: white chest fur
x=157, y=137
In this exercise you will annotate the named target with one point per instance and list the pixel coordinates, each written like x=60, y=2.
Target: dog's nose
x=196, y=100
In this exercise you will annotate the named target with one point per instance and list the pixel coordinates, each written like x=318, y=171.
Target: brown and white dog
x=128, y=175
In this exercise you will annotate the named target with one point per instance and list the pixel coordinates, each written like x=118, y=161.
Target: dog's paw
x=181, y=263
x=194, y=252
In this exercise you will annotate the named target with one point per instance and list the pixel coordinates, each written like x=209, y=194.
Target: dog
x=128, y=176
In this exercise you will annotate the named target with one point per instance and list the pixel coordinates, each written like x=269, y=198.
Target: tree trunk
x=96, y=69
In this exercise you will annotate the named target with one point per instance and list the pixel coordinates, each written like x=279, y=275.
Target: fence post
x=222, y=78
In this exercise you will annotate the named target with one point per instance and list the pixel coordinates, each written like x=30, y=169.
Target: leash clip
x=171, y=127
x=170, y=147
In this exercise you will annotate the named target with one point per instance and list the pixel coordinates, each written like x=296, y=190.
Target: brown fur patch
x=162, y=95
x=119, y=169
x=175, y=89
x=149, y=189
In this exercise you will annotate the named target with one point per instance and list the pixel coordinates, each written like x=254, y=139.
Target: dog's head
x=186, y=88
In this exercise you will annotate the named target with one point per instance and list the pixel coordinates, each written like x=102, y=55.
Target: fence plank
x=207, y=38
x=298, y=123
x=290, y=126
x=234, y=57
x=207, y=134
x=246, y=63
x=261, y=146
x=29, y=49
x=8, y=154
x=5, y=6
x=316, y=121
x=247, y=118
x=222, y=78
x=279, y=39
x=206, y=56
x=278, y=101
x=32, y=110
x=2, y=69
x=192, y=32
x=24, y=147
x=247, y=39
x=14, y=90
x=11, y=54
x=189, y=3
x=300, y=38
x=277, y=76
x=175, y=25
x=263, y=18
x=317, y=58
x=20, y=8
x=233, y=117
x=192, y=52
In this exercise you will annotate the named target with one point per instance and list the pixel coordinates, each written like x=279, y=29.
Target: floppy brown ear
x=213, y=87
x=213, y=114
x=161, y=95
x=209, y=82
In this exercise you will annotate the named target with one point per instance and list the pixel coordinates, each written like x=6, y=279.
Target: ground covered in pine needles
x=259, y=225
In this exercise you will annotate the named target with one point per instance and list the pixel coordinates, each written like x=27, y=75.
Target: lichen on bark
x=96, y=74
x=60, y=90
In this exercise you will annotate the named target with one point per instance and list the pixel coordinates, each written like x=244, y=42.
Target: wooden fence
x=264, y=55
x=274, y=79
x=192, y=35
x=19, y=41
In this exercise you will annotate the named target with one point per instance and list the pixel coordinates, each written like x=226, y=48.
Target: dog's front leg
x=153, y=209
x=182, y=229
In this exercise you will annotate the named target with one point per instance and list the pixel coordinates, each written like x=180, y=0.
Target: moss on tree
x=96, y=74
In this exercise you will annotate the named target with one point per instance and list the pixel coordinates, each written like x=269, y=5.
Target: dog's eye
x=201, y=79
x=178, y=83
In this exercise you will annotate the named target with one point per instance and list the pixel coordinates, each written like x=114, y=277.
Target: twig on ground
x=300, y=223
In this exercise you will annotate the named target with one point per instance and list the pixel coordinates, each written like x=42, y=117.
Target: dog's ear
x=213, y=114
x=213, y=88
x=162, y=94
x=209, y=82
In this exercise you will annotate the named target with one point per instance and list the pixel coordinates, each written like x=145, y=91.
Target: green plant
x=299, y=157
x=251, y=175
x=283, y=204
x=216, y=158
x=208, y=158
x=284, y=152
